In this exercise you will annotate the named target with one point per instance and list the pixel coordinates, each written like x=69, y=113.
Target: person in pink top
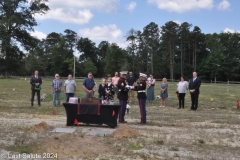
x=115, y=83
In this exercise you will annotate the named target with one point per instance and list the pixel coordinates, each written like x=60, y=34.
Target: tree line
x=167, y=51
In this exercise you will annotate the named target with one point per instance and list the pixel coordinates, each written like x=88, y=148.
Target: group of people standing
x=106, y=90
x=123, y=88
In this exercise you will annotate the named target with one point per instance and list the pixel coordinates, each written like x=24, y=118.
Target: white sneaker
x=162, y=106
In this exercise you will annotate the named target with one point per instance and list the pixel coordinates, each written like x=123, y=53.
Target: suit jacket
x=195, y=85
x=34, y=80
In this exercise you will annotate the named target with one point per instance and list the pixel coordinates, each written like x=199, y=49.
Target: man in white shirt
x=69, y=87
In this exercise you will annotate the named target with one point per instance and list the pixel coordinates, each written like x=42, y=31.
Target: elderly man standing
x=194, y=86
x=115, y=83
x=88, y=86
x=69, y=87
x=56, y=90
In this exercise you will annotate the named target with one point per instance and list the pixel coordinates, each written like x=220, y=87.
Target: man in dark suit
x=194, y=86
x=35, y=82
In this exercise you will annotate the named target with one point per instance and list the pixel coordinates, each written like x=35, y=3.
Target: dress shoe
x=39, y=105
x=123, y=122
x=31, y=104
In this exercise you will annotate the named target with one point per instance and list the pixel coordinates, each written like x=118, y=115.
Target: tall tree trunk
x=195, y=60
x=181, y=58
x=6, y=45
x=189, y=60
x=171, y=60
x=152, y=61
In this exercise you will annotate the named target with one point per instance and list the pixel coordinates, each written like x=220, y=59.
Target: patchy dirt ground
x=168, y=135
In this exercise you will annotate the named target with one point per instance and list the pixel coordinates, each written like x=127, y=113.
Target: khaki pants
x=131, y=95
x=88, y=95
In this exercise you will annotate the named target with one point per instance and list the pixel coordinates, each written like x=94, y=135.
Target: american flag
x=76, y=37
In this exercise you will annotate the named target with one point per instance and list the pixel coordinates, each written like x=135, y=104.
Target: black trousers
x=38, y=96
x=181, y=97
x=194, y=98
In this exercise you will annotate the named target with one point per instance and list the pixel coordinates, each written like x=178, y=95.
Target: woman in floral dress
x=109, y=96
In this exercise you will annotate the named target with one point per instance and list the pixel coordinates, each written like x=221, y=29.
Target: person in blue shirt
x=88, y=86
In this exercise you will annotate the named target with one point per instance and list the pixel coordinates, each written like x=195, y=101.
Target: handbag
x=38, y=88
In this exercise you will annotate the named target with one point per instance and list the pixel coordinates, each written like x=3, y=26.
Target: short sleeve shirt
x=70, y=86
x=56, y=84
x=115, y=80
x=130, y=80
x=89, y=83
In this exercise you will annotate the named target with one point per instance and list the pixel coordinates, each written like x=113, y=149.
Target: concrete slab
x=100, y=132
x=64, y=130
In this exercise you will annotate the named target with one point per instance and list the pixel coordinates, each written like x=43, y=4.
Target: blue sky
x=110, y=20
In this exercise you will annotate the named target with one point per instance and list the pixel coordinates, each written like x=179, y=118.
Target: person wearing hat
x=141, y=95
x=122, y=96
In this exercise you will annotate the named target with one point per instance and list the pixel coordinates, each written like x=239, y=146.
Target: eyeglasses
x=90, y=75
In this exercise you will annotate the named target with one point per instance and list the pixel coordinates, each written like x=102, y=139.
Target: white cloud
x=131, y=6
x=181, y=6
x=39, y=35
x=69, y=15
x=102, y=32
x=78, y=12
x=178, y=22
x=102, y=5
x=110, y=33
x=228, y=30
x=224, y=5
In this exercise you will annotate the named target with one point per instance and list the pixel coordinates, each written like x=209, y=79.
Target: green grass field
x=209, y=133
x=16, y=93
